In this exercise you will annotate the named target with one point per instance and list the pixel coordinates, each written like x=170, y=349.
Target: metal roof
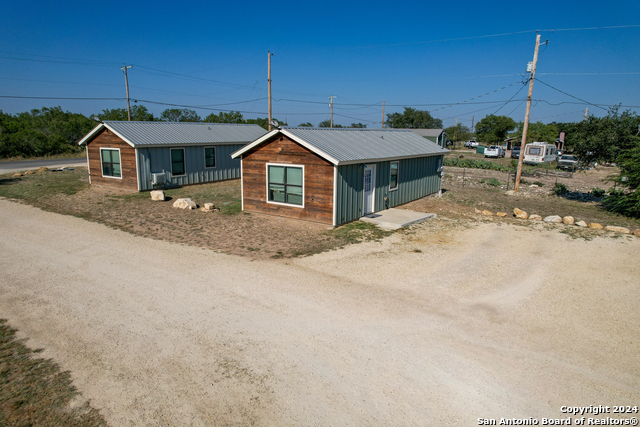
x=344, y=146
x=428, y=132
x=154, y=134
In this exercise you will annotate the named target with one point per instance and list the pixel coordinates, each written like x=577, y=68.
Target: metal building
x=335, y=176
x=141, y=155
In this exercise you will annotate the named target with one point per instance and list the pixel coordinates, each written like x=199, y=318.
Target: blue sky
x=212, y=56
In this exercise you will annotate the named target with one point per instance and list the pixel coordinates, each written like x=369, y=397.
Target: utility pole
x=472, y=117
x=526, y=115
x=382, y=126
x=331, y=105
x=269, y=54
x=586, y=113
x=126, y=82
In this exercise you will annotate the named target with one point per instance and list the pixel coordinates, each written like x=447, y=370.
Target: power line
x=568, y=94
x=514, y=95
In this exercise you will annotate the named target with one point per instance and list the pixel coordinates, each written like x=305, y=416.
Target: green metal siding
x=157, y=160
x=349, y=201
x=417, y=177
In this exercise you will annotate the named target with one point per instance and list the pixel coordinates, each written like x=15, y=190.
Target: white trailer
x=539, y=152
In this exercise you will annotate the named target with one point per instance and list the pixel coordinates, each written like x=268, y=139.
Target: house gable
x=106, y=139
x=318, y=179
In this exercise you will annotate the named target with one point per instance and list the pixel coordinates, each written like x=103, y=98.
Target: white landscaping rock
x=569, y=220
x=616, y=229
x=581, y=223
x=553, y=218
x=185, y=204
x=158, y=195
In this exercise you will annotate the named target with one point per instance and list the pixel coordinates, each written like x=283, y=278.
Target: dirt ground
x=443, y=324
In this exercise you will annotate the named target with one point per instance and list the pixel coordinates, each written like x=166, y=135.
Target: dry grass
x=34, y=391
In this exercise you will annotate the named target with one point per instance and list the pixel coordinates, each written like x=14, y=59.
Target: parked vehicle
x=539, y=152
x=515, y=152
x=494, y=151
x=471, y=143
x=567, y=162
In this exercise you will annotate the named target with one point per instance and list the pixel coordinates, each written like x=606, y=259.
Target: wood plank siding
x=107, y=139
x=318, y=180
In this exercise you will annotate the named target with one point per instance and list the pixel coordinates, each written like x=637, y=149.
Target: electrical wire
x=514, y=95
x=568, y=94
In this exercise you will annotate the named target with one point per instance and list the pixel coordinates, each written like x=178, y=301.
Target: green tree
x=179, y=115
x=305, y=125
x=139, y=113
x=327, y=124
x=224, y=117
x=413, y=119
x=603, y=139
x=537, y=131
x=493, y=129
x=42, y=132
x=357, y=126
x=458, y=132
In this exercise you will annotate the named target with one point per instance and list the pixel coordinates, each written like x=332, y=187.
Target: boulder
x=478, y=210
x=16, y=175
x=209, y=207
x=520, y=214
x=553, y=218
x=185, y=204
x=637, y=232
x=615, y=229
x=501, y=214
x=43, y=169
x=581, y=224
x=486, y=212
x=569, y=220
x=158, y=195
x=596, y=226
x=535, y=217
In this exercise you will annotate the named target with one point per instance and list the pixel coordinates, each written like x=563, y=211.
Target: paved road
x=424, y=328
x=10, y=167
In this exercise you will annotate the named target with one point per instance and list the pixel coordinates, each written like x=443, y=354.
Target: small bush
x=491, y=181
x=538, y=183
x=560, y=189
x=474, y=164
x=627, y=204
x=598, y=192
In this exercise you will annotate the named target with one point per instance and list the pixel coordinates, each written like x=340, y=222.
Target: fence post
x=464, y=172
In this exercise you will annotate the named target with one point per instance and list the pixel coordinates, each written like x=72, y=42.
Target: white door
x=369, y=189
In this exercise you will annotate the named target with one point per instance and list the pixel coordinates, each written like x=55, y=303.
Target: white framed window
x=209, y=157
x=285, y=184
x=177, y=162
x=111, y=163
x=393, y=176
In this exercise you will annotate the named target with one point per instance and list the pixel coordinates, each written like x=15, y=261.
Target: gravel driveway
x=440, y=326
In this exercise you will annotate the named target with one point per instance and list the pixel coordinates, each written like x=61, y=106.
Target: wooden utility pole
x=269, y=84
x=472, y=117
x=126, y=82
x=586, y=113
x=331, y=105
x=382, y=126
x=526, y=114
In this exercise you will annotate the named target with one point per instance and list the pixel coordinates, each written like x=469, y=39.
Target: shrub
x=538, y=183
x=473, y=164
x=627, y=204
x=598, y=192
x=560, y=189
x=491, y=181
